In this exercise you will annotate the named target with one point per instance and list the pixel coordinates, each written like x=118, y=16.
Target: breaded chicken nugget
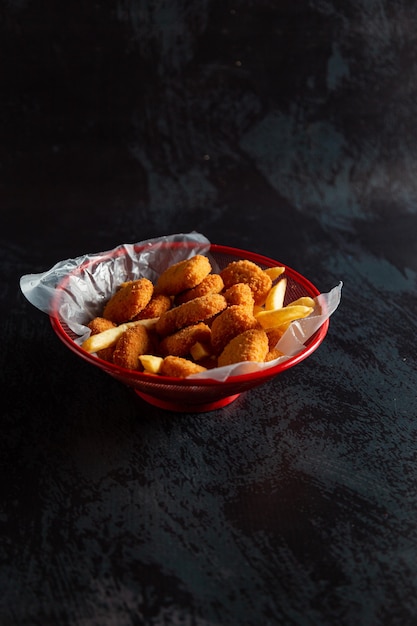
x=251, y=345
x=158, y=304
x=240, y=294
x=197, y=310
x=181, y=342
x=134, y=342
x=244, y=271
x=212, y=283
x=179, y=367
x=128, y=300
x=274, y=335
x=98, y=325
x=273, y=354
x=183, y=275
x=229, y=323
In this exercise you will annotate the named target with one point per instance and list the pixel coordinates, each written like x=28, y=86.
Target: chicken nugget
x=244, y=271
x=181, y=342
x=273, y=354
x=213, y=283
x=128, y=300
x=158, y=304
x=274, y=335
x=251, y=345
x=241, y=294
x=183, y=275
x=98, y=325
x=229, y=323
x=134, y=342
x=197, y=310
x=179, y=367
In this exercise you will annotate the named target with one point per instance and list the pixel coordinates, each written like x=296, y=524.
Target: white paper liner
x=85, y=293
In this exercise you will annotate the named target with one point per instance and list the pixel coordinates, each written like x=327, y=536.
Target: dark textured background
x=287, y=128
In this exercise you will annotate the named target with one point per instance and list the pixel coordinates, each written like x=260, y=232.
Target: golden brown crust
x=158, y=304
x=245, y=271
x=98, y=325
x=274, y=335
x=229, y=323
x=128, y=300
x=183, y=275
x=240, y=294
x=179, y=367
x=273, y=354
x=197, y=310
x=212, y=283
x=251, y=345
x=181, y=342
x=134, y=342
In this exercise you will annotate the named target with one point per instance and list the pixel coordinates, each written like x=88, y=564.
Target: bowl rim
x=133, y=375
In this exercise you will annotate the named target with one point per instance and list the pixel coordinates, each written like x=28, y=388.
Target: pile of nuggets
x=193, y=319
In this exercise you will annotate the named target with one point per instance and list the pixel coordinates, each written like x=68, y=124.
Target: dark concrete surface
x=283, y=128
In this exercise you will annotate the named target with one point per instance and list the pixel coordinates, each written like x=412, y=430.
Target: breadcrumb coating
x=251, y=345
x=240, y=294
x=183, y=275
x=274, y=335
x=273, y=354
x=158, y=304
x=179, y=367
x=134, y=342
x=181, y=342
x=245, y=271
x=229, y=323
x=213, y=283
x=98, y=325
x=192, y=312
x=128, y=300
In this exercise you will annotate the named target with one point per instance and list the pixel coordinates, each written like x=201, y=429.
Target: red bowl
x=179, y=394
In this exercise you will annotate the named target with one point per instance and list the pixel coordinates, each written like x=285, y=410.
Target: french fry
x=276, y=295
x=105, y=339
x=151, y=363
x=274, y=272
x=199, y=351
x=303, y=301
x=109, y=337
x=276, y=317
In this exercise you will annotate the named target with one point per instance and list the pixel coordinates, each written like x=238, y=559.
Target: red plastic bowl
x=188, y=395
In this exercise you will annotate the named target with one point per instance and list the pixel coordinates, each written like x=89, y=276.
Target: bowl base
x=184, y=407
